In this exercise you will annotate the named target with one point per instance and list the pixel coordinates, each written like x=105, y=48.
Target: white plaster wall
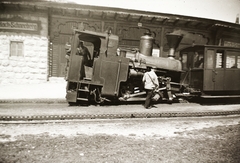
x=30, y=68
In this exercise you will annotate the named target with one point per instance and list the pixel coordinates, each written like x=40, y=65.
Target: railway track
x=42, y=118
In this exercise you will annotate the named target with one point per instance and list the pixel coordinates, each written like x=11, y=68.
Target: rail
x=42, y=118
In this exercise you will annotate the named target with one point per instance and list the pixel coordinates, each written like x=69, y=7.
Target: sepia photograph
x=119, y=81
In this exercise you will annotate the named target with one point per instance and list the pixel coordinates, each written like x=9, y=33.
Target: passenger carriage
x=211, y=71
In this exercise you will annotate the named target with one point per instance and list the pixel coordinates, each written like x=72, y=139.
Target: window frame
x=222, y=58
x=236, y=56
x=18, y=51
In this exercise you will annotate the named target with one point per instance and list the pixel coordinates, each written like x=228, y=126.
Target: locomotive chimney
x=173, y=42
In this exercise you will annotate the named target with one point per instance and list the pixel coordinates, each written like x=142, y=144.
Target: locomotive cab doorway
x=76, y=61
x=192, y=59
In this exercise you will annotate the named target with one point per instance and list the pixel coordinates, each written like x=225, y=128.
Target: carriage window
x=210, y=55
x=238, y=61
x=219, y=59
x=232, y=60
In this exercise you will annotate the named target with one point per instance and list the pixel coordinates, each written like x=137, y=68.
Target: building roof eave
x=72, y=9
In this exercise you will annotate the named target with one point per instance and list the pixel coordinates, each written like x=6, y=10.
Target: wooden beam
x=153, y=20
x=162, y=41
x=129, y=17
x=63, y=12
x=187, y=23
x=76, y=13
x=175, y=22
x=49, y=11
x=17, y=6
x=2, y=7
x=115, y=27
x=104, y=14
x=165, y=20
x=116, y=16
x=90, y=13
x=198, y=24
x=34, y=8
x=208, y=27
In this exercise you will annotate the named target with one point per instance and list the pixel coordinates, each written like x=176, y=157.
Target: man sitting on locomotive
x=150, y=80
x=83, y=51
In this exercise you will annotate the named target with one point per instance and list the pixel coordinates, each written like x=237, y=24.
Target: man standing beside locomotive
x=150, y=80
x=83, y=51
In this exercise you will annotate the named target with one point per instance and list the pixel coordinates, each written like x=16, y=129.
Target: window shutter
x=13, y=49
x=20, y=49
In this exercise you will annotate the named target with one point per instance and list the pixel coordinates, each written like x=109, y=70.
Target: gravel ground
x=205, y=139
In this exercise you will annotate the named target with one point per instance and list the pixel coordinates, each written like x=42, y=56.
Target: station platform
x=52, y=90
x=13, y=99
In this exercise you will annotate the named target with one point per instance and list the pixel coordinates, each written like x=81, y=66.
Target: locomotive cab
x=100, y=75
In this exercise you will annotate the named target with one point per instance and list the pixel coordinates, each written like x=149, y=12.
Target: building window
x=16, y=48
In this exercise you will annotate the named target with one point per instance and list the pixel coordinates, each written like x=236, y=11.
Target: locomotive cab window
x=198, y=59
x=183, y=59
x=192, y=58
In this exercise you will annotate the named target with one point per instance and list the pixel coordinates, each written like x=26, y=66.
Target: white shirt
x=150, y=80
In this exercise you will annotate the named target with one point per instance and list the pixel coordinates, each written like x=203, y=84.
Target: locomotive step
x=82, y=99
x=83, y=90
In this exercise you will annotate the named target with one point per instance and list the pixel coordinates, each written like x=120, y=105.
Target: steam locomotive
x=112, y=75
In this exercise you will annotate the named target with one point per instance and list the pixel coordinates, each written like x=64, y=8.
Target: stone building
x=24, y=46
x=33, y=34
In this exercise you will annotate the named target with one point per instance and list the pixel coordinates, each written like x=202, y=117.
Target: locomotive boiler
x=112, y=76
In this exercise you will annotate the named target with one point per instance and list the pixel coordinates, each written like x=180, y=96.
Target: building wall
x=44, y=44
x=32, y=66
x=61, y=28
